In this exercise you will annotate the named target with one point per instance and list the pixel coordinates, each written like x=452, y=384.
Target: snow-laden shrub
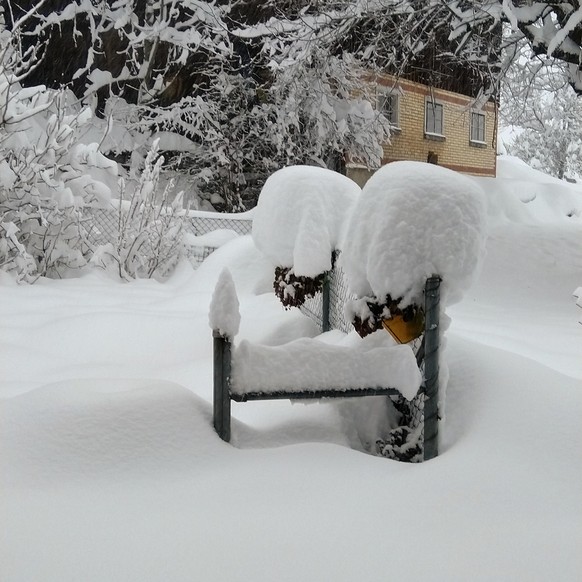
x=299, y=222
x=150, y=226
x=413, y=220
x=46, y=177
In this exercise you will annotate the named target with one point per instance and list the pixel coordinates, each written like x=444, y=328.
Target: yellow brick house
x=435, y=125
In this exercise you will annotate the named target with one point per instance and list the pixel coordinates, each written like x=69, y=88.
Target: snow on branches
x=551, y=29
x=46, y=177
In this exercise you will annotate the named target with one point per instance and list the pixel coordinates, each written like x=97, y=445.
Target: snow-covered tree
x=393, y=33
x=239, y=104
x=551, y=29
x=527, y=81
x=552, y=142
x=242, y=87
x=46, y=174
x=545, y=111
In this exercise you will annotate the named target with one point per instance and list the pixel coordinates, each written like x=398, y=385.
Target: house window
x=389, y=105
x=433, y=118
x=477, y=127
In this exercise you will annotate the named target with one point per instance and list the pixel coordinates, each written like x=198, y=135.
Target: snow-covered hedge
x=414, y=220
x=299, y=221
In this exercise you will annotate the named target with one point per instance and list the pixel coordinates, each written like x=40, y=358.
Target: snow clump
x=300, y=217
x=412, y=221
x=224, y=315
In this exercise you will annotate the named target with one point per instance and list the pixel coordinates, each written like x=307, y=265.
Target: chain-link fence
x=103, y=227
x=199, y=224
x=409, y=439
x=339, y=295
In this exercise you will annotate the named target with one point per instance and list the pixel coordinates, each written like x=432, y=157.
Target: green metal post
x=221, y=400
x=431, y=366
x=325, y=323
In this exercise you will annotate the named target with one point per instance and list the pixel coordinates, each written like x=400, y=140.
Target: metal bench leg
x=431, y=367
x=221, y=401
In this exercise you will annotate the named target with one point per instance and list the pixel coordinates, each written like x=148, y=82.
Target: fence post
x=221, y=400
x=325, y=300
x=431, y=366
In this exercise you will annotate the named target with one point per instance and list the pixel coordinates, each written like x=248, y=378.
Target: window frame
x=429, y=101
x=394, y=94
x=483, y=117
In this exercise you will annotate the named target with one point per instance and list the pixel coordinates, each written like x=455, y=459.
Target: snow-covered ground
x=110, y=469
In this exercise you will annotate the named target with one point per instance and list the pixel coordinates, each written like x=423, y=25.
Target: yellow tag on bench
x=405, y=331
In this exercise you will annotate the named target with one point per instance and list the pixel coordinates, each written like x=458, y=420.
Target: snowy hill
x=110, y=469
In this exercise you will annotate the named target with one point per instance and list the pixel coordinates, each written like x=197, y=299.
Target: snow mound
x=300, y=217
x=213, y=239
x=524, y=195
x=412, y=221
x=513, y=168
x=100, y=427
x=251, y=271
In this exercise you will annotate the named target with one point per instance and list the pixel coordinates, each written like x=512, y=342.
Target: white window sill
x=434, y=136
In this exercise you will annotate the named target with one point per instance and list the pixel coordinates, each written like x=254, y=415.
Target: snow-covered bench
x=312, y=369
x=307, y=369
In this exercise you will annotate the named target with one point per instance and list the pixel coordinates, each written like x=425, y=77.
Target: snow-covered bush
x=49, y=177
x=149, y=241
x=46, y=177
x=413, y=220
x=298, y=224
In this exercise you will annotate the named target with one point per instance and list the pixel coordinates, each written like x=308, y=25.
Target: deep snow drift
x=110, y=469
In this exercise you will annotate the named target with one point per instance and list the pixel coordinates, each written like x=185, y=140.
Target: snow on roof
x=412, y=221
x=301, y=215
